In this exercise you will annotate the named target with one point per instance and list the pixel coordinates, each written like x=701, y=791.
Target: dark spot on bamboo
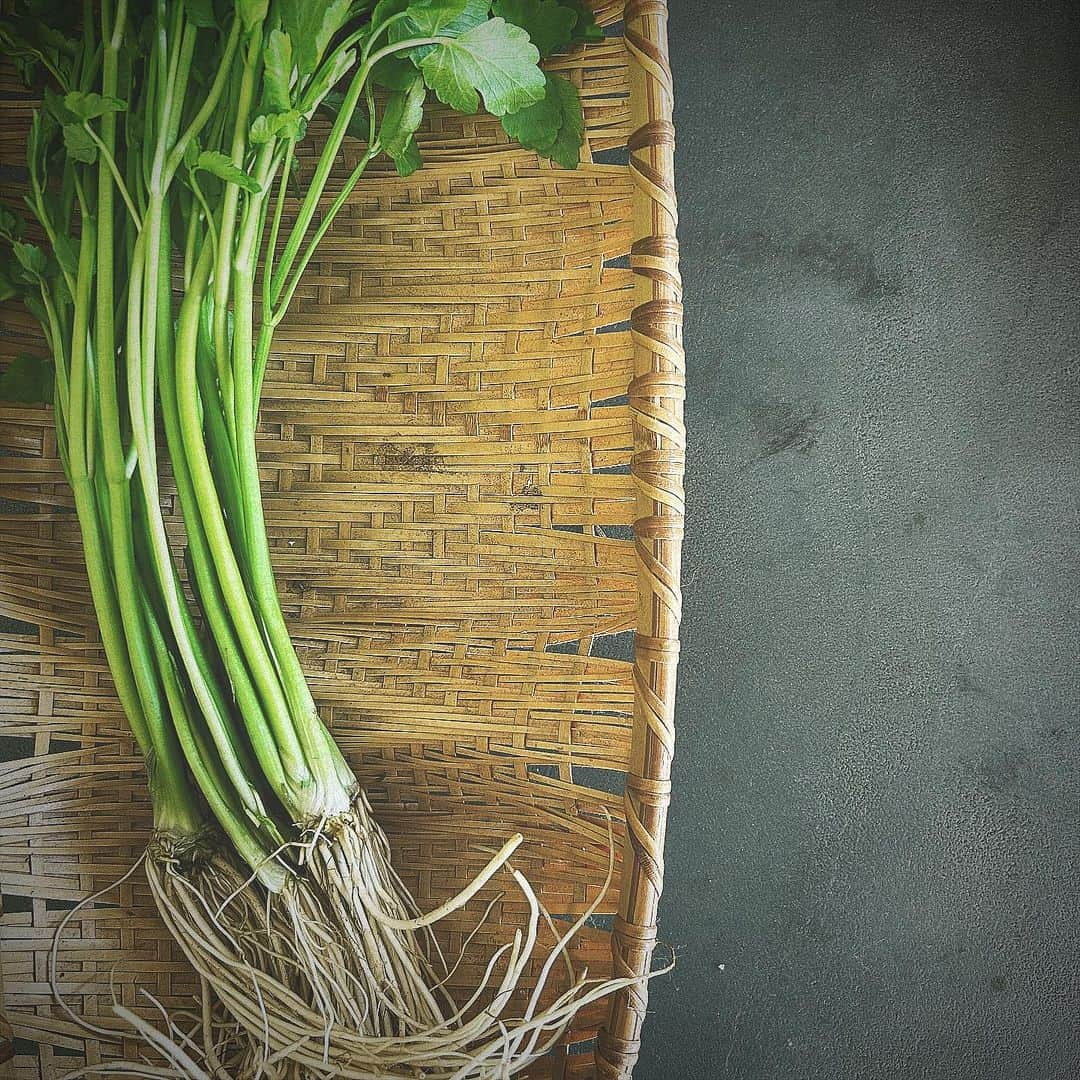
x=418, y=457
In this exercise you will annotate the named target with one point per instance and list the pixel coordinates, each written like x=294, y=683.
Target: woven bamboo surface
x=472, y=459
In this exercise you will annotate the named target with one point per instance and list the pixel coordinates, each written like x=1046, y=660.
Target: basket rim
x=656, y=394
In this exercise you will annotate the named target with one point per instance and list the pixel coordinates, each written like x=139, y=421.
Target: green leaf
x=290, y=125
x=548, y=23
x=587, y=28
x=135, y=125
x=51, y=18
x=278, y=62
x=385, y=8
x=402, y=116
x=8, y=288
x=28, y=380
x=329, y=75
x=566, y=150
x=252, y=12
x=26, y=66
x=80, y=146
x=264, y=128
x=495, y=59
x=409, y=160
x=358, y=123
x=33, y=304
x=394, y=72
x=430, y=17
x=450, y=18
x=64, y=251
x=55, y=108
x=217, y=164
x=554, y=127
x=200, y=12
x=311, y=25
x=32, y=259
x=537, y=126
x=30, y=38
x=295, y=127
x=11, y=225
x=89, y=106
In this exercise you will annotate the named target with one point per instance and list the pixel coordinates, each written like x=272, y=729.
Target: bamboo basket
x=472, y=457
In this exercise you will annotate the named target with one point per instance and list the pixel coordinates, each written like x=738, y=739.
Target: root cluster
x=339, y=975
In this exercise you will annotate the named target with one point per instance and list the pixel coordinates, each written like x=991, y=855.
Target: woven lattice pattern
x=446, y=451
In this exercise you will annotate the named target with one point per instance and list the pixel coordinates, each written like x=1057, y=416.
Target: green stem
x=59, y=346
x=320, y=232
x=106, y=155
x=230, y=579
x=196, y=665
x=206, y=111
x=209, y=592
x=99, y=571
x=275, y=225
x=211, y=227
x=331, y=797
x=230, y=201
x=272, y=318
x=212, y=782
x=222, y=455
x=329, y=156
x=191, y=235
x=37, y=189
x=78, y=440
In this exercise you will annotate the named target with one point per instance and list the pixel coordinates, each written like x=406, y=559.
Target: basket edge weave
x=656, y=396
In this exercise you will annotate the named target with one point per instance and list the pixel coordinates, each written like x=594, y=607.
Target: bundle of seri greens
x=173, y=227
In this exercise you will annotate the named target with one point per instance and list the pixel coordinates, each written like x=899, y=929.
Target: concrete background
x=874, y=849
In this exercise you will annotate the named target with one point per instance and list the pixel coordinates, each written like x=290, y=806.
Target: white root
x=329, y=978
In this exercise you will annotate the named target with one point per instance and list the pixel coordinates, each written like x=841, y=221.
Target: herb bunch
x=173, y=229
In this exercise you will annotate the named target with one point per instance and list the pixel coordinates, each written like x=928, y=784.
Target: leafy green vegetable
x=311, y=24
x=409, y=160
x=218, y=164
x=402, y=116
x=329, y=75
x=277, y=73
x=387, y=9
x=549, y=24
x=36, y=40
x=290, y=125
x=8, y=288
x=394, y=72
x=180, y=217
x=32, y=259
x=28, y=380
x=80, y=145
x=494, y=60
x=427, y=18
x=55, y=108
x=12, y=227
x=200, y=12
x=554, y=125
x=357, y=127
x=252, y=12
x=64, y=253
x=84, y=106
x=587, y=28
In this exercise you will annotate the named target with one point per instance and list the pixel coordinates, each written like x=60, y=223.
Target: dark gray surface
x=874, y=850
